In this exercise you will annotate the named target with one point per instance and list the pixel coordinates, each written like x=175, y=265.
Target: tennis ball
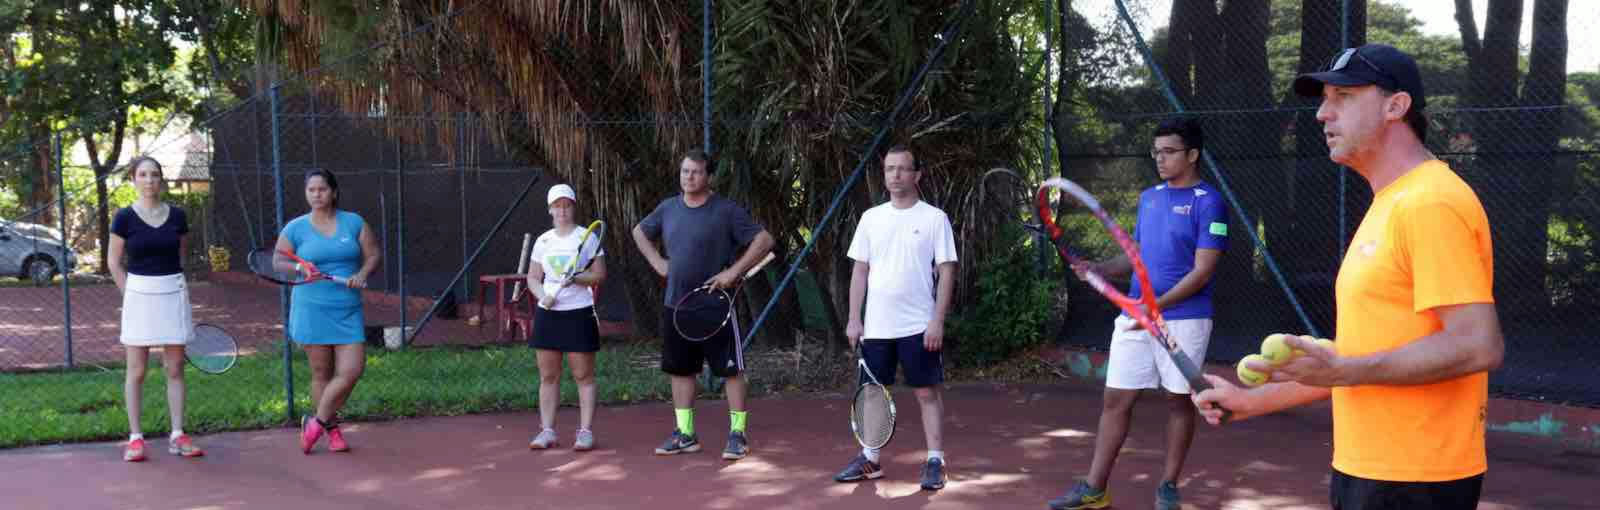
x=1249, y=376
x=1275, y=350
x=1327, y=344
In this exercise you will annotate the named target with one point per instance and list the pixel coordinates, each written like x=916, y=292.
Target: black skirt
x=565, y=331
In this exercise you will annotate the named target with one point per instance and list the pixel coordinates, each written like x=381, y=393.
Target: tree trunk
x=1514, y=172
x=1231, y=73
x=1314, y=229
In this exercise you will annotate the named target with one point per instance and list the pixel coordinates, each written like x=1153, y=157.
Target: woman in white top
x=564, y=323
x=155, y=300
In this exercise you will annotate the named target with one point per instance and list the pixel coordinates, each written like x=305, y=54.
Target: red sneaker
x=336, y=440
x=133, y=451
x=183, y=447
x=310, y=431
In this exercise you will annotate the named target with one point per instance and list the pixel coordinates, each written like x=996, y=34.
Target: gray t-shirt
x=700, y=241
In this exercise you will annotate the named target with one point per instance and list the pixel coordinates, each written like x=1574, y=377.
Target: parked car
x=31, y=251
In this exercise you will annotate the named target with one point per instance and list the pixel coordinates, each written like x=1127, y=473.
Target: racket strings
x=264, y=263
x=873, y=415
x=702, y=313
x=211, y=349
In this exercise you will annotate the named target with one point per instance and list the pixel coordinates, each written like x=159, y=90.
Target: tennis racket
x=704, y=311
x=588, y=251
x=283, y=267
x=212, y=350
x=1143, y=309
x=872, y=411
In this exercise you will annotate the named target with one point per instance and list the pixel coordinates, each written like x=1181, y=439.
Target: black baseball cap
x=1371, y=64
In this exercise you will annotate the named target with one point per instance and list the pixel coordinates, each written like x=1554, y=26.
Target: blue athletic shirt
x=338, y=255
x=1172, y=224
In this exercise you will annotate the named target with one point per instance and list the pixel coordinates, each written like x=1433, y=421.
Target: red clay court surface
x=1009, y=447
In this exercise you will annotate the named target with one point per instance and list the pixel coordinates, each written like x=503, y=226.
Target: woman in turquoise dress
x=325, y=317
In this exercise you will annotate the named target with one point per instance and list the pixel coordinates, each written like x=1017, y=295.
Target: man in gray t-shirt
x=702, y=233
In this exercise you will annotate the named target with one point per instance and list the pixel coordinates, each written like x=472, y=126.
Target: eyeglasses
x=1343, y=60
x=1166, y=151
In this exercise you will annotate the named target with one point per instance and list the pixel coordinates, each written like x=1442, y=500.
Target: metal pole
x=705, y=72
x=283, y=292
x=461, y=180
x=1344, y=42
x=66, y=274
x=400, y=223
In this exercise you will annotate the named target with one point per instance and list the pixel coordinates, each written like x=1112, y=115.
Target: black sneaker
x=738, y=446
x=933, y=475
x=859, y=469
x=678, y=443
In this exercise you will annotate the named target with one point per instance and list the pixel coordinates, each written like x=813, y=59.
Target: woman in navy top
x=325, y=317
x=155, y=300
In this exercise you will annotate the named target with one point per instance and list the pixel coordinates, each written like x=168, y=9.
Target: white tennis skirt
x=155, y=310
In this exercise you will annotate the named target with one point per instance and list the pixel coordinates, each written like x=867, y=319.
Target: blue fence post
x=66, y=273
x=283, y=292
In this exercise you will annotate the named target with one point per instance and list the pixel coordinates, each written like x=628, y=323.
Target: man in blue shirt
x=1181, y=231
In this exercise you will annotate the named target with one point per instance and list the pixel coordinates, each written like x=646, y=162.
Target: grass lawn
x=87, y=405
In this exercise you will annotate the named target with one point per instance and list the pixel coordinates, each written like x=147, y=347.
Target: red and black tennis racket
x=1143, y=309
x=285, y=268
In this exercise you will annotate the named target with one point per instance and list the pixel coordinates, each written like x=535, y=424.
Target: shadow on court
x=1008, y=447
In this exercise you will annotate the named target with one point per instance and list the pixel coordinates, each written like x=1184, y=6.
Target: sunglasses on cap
x=1340, y=62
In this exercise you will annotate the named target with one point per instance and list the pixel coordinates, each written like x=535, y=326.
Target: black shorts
x=1355, y=493
x=682, y=357
x=565, y=331
x=923, y=367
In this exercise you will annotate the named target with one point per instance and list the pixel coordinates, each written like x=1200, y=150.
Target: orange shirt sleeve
x=1446, y=255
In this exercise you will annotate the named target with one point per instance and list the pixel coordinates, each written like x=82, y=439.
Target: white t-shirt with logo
x=555, y=253
x=904, y=248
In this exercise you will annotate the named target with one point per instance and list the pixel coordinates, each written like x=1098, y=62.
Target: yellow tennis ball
x=1327, y=344
x=1275, y=350
x=1249, y=376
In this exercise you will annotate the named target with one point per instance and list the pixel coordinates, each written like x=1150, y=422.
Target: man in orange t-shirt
x=1417, y=330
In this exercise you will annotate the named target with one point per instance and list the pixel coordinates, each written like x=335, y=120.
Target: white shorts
x=1138, y=361
x=155, y=310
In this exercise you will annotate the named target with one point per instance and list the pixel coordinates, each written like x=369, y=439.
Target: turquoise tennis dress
x=325, y=312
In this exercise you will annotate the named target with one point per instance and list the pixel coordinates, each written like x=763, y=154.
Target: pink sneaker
x=336, y=440
x=133, y=451
x=184, y=447
x=310, y=431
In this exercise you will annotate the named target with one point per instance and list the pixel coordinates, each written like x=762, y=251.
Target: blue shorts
x=923, y=367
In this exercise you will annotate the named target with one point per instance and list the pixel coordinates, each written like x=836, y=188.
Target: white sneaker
x=584, y=440
x=545, y=439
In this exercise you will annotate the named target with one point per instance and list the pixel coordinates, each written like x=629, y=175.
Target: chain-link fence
x=1523, y=135
x=449, y=165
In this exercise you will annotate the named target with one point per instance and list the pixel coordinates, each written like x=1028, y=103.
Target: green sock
x=685, y=421
x=737, y=420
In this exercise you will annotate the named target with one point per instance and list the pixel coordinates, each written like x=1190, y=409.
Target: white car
x=31, y=251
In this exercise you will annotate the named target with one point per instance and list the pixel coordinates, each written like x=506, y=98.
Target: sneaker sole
x=690, y=449
x=733, y=456
x=181, y=454
x=533, y=446
x=869, y=476
x=582, y=448
x=1089, y=506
